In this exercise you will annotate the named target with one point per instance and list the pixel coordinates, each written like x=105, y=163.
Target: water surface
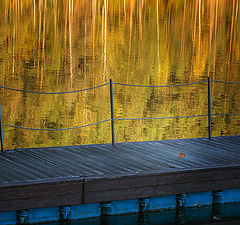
x=64, y=45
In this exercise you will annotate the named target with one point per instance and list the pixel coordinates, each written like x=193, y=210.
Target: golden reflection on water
x=61, y=45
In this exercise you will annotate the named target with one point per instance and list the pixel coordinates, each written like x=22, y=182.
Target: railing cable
x=225, y=82
x=159, y=118
x=131, y=85
x=171, y=85
x=53, y=93
x=226, y=114
x=57, y=129
x=143, y=118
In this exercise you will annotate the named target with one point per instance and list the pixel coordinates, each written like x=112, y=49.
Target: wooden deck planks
x=45, y=177
x=163, y=183
x=40, y=195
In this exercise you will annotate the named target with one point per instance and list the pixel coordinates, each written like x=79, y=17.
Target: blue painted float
x=199, y=199
x=162, y=203
x=125, y=207
x=85, y=211
x=187, y=206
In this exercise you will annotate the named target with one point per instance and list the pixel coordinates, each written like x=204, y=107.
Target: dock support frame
x=22, y=215
x=64, y=212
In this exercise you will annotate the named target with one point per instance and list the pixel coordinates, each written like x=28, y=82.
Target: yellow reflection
x=59, y=45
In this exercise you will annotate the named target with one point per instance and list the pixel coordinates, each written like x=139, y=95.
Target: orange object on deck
x=182, y=155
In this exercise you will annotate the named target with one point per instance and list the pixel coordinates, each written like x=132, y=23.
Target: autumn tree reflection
x=58, y=45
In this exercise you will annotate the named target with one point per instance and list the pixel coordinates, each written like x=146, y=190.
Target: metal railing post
x=1, y=131
x=209, y=109
x=112, y=112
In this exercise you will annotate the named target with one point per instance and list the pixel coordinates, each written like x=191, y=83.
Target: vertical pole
x=209, y=109
x=112, y=111
x=1, y=131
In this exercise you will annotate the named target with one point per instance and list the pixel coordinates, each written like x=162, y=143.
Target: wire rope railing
x=178, y=117
x=160, y=118
x=53, y=93
x=113, y=119
x=225, y=82
x=160, y=86
x=56, y=129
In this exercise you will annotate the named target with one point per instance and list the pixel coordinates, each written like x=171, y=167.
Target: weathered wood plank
x=165, y=159
x=131, y=193
x=174, y=152
x=28, y=164
x=49, y=165
x=136, y=163
x=162, y=178
x=196, y=149
x=170, y=184
x=40, y=195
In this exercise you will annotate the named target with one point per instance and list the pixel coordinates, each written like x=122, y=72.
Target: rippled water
x=64, y=45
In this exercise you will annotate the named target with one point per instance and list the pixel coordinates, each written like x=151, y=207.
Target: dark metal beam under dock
x=45, y=177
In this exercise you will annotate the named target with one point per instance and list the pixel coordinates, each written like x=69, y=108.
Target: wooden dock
x=45, y=177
